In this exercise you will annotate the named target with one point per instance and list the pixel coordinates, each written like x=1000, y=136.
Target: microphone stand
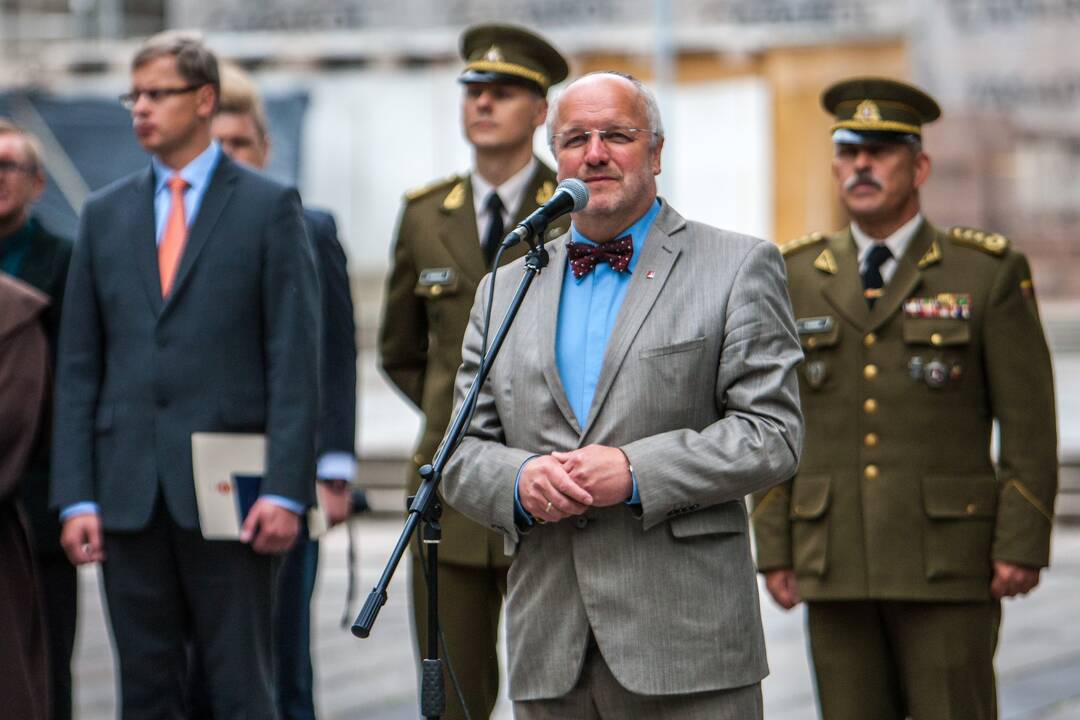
x=425, y=507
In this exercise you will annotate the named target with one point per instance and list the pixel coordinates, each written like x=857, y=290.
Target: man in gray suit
x=192, y=306
x=646, y=388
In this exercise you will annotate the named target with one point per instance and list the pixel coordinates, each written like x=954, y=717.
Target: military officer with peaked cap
x=900, y=531
x=446, y=239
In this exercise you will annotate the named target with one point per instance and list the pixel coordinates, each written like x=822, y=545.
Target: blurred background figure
x=447, y=237
x=24, y=388
x=903, y=545
x=193, y=303
x=29, y=252
x=241, y=128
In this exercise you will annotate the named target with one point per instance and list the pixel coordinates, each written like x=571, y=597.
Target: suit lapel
x=214, y=201
x=658, y=256
x=549, y=288
x=843, y=286
x=906, y=278
x=144, y=239
x=458, y=231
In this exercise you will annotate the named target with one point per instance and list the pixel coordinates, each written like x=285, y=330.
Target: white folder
x=217, y=459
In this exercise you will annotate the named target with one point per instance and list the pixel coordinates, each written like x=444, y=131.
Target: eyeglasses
x=577, y=138
x=155, y=95
x=8, y=167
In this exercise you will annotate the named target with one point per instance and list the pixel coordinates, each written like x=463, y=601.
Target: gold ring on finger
x=549, y=506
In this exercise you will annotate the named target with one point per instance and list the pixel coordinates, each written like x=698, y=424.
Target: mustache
x=862, y=178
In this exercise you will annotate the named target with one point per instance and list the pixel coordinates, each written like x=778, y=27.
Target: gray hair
x=195, y=62
x=645, y=96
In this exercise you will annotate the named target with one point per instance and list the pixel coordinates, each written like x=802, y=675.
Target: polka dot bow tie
x=616, y=253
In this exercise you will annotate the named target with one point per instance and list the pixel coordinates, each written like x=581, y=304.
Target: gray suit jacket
x=698, y=388
x=232, y=349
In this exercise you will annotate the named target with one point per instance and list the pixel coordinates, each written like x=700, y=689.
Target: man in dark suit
x=193, y=306
x=241, y=128
x=32, y=254
x=446, y=241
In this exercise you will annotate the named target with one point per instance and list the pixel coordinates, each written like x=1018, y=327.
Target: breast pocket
x=435, y=285
x=936, y=349
x=820, y=338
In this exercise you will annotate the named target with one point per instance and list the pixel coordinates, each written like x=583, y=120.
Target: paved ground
x=372, y=679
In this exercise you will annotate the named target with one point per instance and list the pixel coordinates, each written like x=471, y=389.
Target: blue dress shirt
x=198, y=174
x=588, y=309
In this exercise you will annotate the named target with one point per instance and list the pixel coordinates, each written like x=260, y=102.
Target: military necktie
x=174, y=237
x=616, y=253
x=871, y=276
x=495, y=227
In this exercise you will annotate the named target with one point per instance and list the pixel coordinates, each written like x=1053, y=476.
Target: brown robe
x=24, y=373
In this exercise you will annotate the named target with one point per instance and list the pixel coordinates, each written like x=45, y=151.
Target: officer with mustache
x=903, y=530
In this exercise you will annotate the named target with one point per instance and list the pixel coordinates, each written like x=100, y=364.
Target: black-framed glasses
x=10, y=167
x=578, y=138
x=155, y=95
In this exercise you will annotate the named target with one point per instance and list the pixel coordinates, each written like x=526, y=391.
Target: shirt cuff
x=520, y=516
x=290, y=505
x=80, y=508
x=336, y=466
x=635, y=497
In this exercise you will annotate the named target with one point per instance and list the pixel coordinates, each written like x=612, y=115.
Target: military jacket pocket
x=810, y=496
x=960, y=512
x=435, y=283
x=937, y=332
x=818, y=332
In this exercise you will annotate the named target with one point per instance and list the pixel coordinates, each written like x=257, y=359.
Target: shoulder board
x=804, y=242
x=991, y=243
x=419, y=192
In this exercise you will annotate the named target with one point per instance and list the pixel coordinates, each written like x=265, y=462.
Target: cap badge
x=868, y=111
x=494, y=54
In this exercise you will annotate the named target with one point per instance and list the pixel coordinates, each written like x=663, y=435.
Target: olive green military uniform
x=438, y=264
x=898, y=510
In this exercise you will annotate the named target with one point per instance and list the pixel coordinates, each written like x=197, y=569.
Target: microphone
x=570, y=196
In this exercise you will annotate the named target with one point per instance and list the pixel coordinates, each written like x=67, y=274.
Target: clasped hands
x=562, y=484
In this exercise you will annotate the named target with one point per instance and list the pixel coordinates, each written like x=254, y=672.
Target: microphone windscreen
x=578, y=191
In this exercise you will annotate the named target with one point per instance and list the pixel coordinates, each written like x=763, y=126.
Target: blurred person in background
x=40, y=259
x=240, y=126
x=900, y=531
x=24, y=388
x=192, y=307
x=447, y=236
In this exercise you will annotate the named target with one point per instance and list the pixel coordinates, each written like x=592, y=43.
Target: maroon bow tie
x=616, y=253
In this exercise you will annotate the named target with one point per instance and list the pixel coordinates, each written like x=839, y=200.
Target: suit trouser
x=168, y=589
x=470, y=602
x=599, y=696
x=890, y=660
x=292, y=630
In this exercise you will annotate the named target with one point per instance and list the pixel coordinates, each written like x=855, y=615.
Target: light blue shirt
x=588, y=309
x=197, y=173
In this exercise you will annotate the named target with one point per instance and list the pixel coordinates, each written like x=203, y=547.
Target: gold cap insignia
x=868, y=111
x=455, y=198
x=493, y=54
x=544, y=193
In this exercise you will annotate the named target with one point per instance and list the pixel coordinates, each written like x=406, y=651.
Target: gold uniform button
x=870, y=406
x=870, y=371
x=418, y=459
x=870, y=440
x=870, y=472
x=811, y=342
x=970, y=509
x=436, y=290
x=869, y=339
x=935, y=339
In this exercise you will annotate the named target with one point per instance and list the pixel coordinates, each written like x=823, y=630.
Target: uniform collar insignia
x=826, y=262
x=544, y=193
x=932, y=256
x=455, y=198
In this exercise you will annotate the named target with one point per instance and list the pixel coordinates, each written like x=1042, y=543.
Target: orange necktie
x=172, y=240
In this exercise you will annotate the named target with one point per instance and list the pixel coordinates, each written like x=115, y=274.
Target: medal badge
x=945, y=306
